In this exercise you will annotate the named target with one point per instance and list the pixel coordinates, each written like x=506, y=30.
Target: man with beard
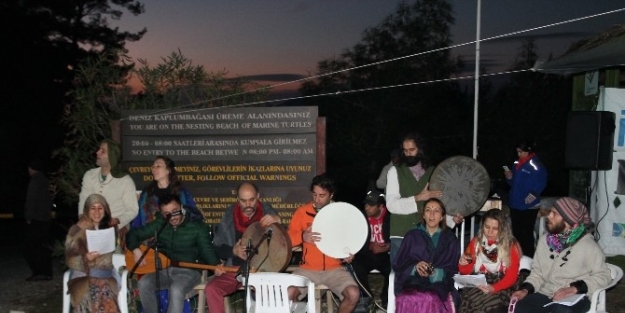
x=315, y=265
x=234, y=222
x=181, y=240
x=567, y=262
x=407, y=190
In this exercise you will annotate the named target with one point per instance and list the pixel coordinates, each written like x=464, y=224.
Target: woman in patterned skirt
x=495, y=253
x=426, y=263
x=93, y=282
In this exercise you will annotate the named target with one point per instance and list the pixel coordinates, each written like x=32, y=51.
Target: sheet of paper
x=470, y=280
x=101, y=241
x=568, y=301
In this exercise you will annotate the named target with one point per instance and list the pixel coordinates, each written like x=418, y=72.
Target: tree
x=46, y=40
x=365, y=126
x=99, y=96
x=532, y=105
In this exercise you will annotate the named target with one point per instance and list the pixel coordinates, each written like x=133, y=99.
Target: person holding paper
x=426, y=263
x=94, y=283
x=495, y=253
x=567, y=262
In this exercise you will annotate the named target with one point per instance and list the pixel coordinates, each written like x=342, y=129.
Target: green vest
x=408, y=187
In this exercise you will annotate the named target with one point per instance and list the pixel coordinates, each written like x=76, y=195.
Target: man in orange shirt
x=316, y=266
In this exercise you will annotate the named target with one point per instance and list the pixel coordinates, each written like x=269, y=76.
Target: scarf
x=487, y=258
x=524, y=160
x=241, y=222
x=559, y=242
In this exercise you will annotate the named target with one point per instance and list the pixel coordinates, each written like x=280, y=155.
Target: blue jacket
x=530, y=178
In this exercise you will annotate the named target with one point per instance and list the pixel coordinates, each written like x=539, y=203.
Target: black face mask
x=410, y=161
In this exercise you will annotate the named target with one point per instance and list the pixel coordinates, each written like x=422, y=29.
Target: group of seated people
x=567, y=259
x=567, y=262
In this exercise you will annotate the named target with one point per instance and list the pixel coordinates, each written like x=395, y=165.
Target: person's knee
x=293, y=293
x=351, y=294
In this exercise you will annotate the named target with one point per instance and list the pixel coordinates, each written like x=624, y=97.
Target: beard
x=555, y=228
x=410, y=161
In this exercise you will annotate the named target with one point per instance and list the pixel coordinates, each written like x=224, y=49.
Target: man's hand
x=349, y=259
x=137, y=255
x=309, y=236
x=220, y=270
x=239, y=250
x=426, y=194
x=458, y=218
x=380, y=247
x=563, y=293
x=114, y=222
x=519, y=294
x=269, y=219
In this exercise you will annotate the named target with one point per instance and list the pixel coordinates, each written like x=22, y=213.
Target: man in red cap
x=567, y=262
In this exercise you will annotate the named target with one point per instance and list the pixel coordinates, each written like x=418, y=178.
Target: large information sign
x=216, y=149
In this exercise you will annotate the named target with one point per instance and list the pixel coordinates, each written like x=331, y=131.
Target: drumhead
x=464, y=182
x=343, y=229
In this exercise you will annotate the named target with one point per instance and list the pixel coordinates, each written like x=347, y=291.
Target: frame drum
x=464, y=182
x=343, y=229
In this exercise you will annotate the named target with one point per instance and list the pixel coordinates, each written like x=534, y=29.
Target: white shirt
x=120, y=193
x=403, y=206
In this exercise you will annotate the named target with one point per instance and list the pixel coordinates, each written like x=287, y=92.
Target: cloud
x=283, y=77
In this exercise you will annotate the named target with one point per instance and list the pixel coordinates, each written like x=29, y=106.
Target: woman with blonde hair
x=495, y=253
x=93, y=283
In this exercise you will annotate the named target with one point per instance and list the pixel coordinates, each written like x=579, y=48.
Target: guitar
x=150, y=260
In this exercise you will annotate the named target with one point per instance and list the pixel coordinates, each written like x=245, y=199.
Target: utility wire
x=378, y=63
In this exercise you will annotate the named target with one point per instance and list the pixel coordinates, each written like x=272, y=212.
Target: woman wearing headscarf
x=495, y=253
x=94, y=282
x=426, y=263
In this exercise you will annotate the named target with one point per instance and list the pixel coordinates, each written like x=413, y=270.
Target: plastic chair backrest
x=597, y=301
x=271, y=292
x=119, y=262
x=390, y=307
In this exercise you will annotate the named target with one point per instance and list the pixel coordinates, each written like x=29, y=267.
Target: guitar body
x=150, y=261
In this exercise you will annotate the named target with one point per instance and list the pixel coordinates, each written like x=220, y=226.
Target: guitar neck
x=206, y=267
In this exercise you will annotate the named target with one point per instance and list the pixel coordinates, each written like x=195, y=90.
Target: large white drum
x=343, y=229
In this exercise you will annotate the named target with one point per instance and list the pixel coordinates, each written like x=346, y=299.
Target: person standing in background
x=527, y=179
x=407, y=189
x=165, y=182
x=381, y=182
x=37, y=231
x=110, y=181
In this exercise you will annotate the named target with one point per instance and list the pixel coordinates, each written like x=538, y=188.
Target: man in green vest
x=407, y=189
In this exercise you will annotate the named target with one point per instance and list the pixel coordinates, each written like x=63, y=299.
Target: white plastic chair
x=119, y=262
x=597, y=301
x=390, y=306
x=271, y=292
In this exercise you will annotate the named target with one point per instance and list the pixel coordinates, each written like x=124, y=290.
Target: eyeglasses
x=513, y=302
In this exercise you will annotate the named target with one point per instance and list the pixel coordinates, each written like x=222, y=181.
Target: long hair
x=505, y=239
x=174, y=183
x=442, y=224
x=115, y=157
x=419, y=141
x=97, y=198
